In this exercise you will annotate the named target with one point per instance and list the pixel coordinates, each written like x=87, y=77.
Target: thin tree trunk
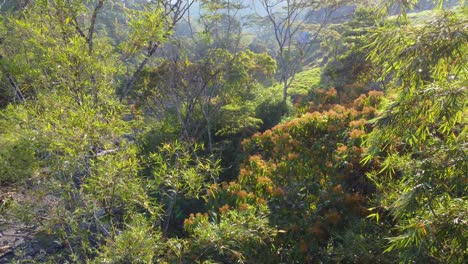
x=131, y=82
x=99, y=5
x=167, y=221
x=90, y=41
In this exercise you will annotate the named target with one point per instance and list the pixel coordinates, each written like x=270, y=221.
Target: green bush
x=139, y=243
x=17, y=160
x=17, y=150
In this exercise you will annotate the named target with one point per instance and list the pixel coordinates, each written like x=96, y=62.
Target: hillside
x=138, y=132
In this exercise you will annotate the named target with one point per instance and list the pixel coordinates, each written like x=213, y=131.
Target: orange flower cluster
x=356, y=133
x=342, y=149
x=224, y=209
x=189, y=222
x=367, y=110
x=244, y=174
x=333, y=217
x=243, y=207
x=242, y=194
x=422, y=227
x=263, y=180
x=278, y=192
x=212, y=189
x=255, y=158
x=358, y=123
x=317, y=148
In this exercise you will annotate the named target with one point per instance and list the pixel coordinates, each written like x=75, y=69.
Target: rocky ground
x=19, y=241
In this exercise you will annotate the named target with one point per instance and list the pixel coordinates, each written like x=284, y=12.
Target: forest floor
x=19, y=240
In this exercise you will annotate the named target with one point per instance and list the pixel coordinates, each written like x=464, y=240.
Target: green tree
x=77, y=150
x=294, y=36
x=422, y=130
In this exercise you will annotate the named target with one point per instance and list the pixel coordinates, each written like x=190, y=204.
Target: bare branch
x=99, y=5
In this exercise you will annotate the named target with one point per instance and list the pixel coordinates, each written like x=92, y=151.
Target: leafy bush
x=138, y=243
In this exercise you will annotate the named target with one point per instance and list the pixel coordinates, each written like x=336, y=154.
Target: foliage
x=83, y=168
x=223, y=97
x=422, y=130
x=17, y=156
x=310, y=210
x=348, y=64
x=138, y=243
x=303, y=82
x=107, y=106
x=234, y=235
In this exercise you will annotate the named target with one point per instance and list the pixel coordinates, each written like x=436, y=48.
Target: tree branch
x=93, y=24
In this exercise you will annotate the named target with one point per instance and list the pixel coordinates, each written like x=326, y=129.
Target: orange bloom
x=247, y=140
x=421, y=226
x=358, y=123
x=332, y=92
x=243, y=207
x=278, y=192
x=292, y=156
x=188, y=222
x=263, y=180
x=224, y=209
x=269, y=189
x=375, y=93
x=356, y=133
x=342, y=149
x=333, y=217
x=242, y=194
x=368, y=110
x=255, y=158
x=257, y=134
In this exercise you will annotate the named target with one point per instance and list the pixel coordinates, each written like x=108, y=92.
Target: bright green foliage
x=178, y=174
x=17, y=155
x=139, y=243
x=54, y=55
x=81, y=159
x=357, y=176
x=238, y=115
x=303, y=83
x=144, y=26
x=70, y=128
x=234, y=235
x=422, y=130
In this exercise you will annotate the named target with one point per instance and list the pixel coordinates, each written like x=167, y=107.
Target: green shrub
x=17, y=150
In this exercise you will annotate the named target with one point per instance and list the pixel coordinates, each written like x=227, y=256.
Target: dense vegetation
x=185, y=131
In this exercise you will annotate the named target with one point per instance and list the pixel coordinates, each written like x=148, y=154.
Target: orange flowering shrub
x=308, y=169
x=308, y=172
